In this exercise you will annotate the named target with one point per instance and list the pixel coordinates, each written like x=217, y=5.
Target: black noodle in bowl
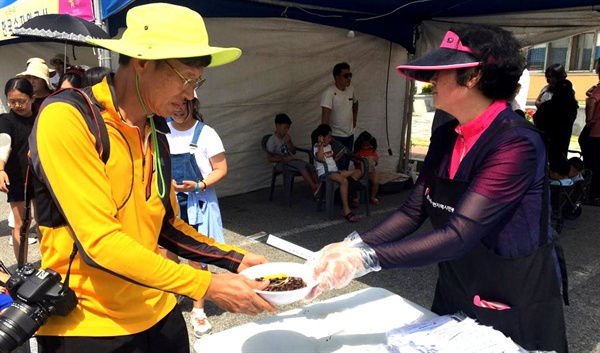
x=283, y=283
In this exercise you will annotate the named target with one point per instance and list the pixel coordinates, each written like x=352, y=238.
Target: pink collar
x=474, y=128
x=469, y=133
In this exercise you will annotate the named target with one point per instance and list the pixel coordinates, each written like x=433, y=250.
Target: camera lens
x=17, y=325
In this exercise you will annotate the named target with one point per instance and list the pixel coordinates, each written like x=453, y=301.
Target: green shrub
x=427, y=88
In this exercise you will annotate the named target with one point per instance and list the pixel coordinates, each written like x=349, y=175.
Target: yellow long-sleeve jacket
x=114, y=215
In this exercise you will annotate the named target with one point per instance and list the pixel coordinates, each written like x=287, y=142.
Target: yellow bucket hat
x=165, y=31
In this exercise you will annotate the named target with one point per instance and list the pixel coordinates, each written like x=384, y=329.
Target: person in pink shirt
x=589, y=140
x=366, y=146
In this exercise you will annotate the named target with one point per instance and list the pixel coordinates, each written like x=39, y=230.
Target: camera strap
x=25, y=226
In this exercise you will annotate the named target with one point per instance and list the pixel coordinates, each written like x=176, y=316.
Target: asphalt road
x=248, y=214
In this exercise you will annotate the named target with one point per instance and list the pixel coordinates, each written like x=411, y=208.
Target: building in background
x=577, y=54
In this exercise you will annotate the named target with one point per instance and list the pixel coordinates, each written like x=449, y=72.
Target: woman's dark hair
x=364, y=136
x=563, y=93
x=564, y=88
x=557, y=71
x=321, y=130
x=576, y=163
x=502, y=62
x=194, y=106
x=20, y=84
x=95, y=75
x=73, y=78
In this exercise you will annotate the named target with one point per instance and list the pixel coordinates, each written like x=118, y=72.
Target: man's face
x=344, y=78
x=282, y=129
x=58, y=66
x=162, y=88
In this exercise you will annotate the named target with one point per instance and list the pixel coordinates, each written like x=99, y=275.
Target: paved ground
x=248, y=214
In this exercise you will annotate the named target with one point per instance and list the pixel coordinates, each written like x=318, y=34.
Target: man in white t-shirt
x=339, y=109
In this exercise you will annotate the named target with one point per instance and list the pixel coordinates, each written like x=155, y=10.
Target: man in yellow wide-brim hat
x=116, y=211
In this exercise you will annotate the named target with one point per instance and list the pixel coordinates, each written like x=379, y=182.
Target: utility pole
x=104, y=58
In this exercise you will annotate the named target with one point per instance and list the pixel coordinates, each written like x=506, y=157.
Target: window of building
x=557, y=52
x=536, y=58
x=575, y=53
x=582, y=52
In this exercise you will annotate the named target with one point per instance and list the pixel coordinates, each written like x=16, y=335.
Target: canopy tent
x=290, y=47
x=394, y=20
x=531, y=28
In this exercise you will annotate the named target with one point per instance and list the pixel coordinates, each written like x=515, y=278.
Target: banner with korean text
x=13, y=13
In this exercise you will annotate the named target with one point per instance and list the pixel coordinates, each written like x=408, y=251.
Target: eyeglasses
x=18, y=102
x=348, y=75
x=188, y=84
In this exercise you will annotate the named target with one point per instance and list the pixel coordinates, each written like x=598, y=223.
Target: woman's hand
x=339, y=263
x=186, y=186
x=588, y=93
x=4, y=181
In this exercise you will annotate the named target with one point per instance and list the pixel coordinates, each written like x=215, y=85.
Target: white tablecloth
x=354, y=322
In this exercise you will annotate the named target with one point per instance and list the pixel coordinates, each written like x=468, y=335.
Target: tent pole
x=104, y=58
x=405, y=136
x=65, y=59
x=405, y=142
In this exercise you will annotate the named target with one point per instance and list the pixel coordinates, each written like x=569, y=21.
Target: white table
x=354, y=322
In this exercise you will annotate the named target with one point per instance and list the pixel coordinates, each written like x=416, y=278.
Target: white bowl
x=291, y=269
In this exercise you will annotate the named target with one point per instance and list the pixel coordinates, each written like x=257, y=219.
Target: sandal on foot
x=350, y=217
x=374, y=201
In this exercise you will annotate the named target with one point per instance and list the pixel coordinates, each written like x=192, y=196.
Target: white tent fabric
x=531, y=28
x=285, y=66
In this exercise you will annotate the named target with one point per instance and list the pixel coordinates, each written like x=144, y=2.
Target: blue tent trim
x=394, y=20
x=110, y=7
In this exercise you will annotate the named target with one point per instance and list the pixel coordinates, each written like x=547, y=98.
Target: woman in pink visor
x=484, y=187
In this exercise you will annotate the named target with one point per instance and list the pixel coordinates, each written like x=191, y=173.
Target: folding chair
x=328, y=186
x=287, y=175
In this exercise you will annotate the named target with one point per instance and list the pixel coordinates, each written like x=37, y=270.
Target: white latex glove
x=339, y=263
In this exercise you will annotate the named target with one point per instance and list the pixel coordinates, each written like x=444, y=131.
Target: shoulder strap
x=93, y=118
x=197, y=131
x=545, y=199
x=546, y=205
x=84, y=101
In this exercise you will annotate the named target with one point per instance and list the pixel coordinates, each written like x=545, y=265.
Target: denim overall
x=184, y=167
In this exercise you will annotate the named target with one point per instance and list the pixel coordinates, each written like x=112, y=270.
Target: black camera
x=37, y=294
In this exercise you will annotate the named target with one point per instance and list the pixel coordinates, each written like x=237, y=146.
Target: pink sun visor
x=452, y=54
